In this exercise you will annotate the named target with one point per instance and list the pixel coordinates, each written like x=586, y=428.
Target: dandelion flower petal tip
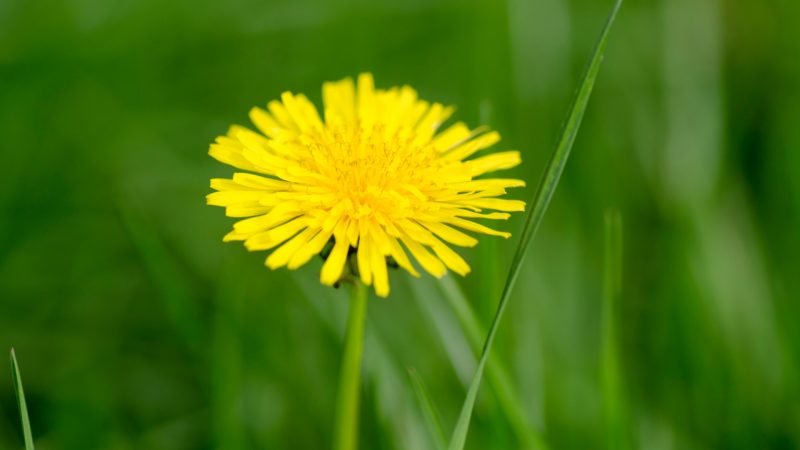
x=374, y=177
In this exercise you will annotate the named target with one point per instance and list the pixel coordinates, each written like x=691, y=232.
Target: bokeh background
x=136, y=327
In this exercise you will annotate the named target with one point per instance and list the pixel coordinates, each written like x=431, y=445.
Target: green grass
x=113, y=274
x=497, y=373
x=429, y=412
x=537, y=208
x=23, y=407
x=616, y=424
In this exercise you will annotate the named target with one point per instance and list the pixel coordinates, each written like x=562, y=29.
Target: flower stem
x=347, y=402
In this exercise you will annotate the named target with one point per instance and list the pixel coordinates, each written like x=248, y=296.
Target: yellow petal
x=426, y=128
x=380, y=238
x=352, y=233
x=256, y=182
x=314, y=246
x=447, y=139
x=499, y=204
x=416, y=232
x=231, y=156
x=476, y=227
x=224, y=184
x=228, y=198
x=280, y=114
x=363, y=258
x=246, y=210
x=264, y=122
x=279, y=214
x=400, y=256
x=451, y=259
x=274, y=237
x=366, y=98
x=490, y=163
x=379, y=273
x=236, y=236
x=284, y=253
x=339, y=99
x=298, y=110
x=451, y=235
x=490, y=183
x=388, y=245
x=428, y=261
x=334, y=265
x=467, y=149
x=399, y=114
x=474, y=215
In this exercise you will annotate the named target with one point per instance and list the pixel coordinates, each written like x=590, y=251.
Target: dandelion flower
x=373, y=176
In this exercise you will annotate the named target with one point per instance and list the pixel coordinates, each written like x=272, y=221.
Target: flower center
x=373, y=170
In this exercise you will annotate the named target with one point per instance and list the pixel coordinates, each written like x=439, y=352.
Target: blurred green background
x=136, y=327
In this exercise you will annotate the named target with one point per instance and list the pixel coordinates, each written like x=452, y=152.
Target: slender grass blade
x=496, y=372
x=539, y=204
x=615, y=418
x=23, y=407
x=429, y=412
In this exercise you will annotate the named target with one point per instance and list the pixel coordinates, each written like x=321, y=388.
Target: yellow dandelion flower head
x=375, y=178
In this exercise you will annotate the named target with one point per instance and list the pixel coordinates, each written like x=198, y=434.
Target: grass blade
x=612, y=287
x=23, y=407
x=539, y=204
x=496, y=372
x=429, y=412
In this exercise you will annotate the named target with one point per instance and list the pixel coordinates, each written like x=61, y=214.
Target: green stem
x=346, y=431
